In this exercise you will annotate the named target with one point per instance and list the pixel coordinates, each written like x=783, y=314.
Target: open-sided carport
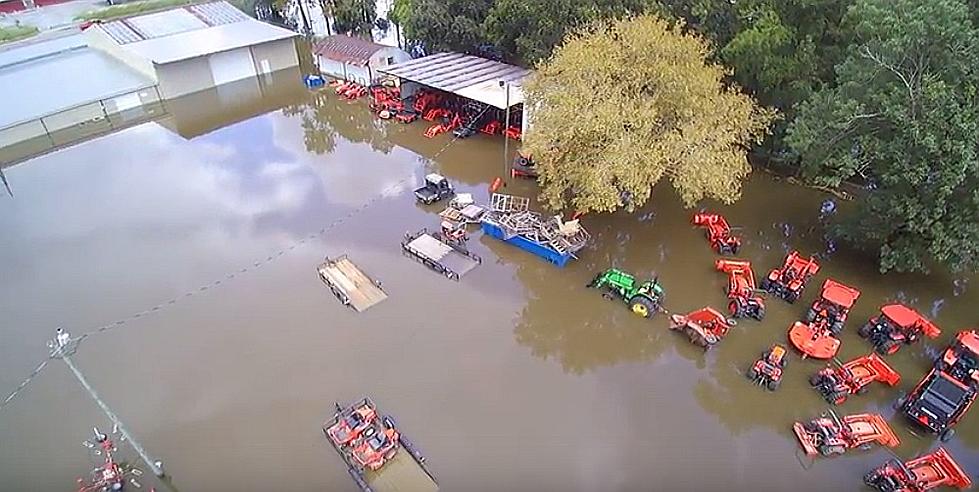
x=479, y=79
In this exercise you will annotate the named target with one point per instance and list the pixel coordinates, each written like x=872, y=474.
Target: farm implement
x=788, y=281
x=897, y=325
x=644, y=298
x=767, y=371
x=837, y=383
x=704, y=327
x=110, y=475
x=830, y=435
x=933, y=470
x=718, y=233
x=368, y=442
x=741, y=292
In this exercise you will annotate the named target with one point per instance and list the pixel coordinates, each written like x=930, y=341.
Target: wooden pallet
x=509, y=203
x=349, y=284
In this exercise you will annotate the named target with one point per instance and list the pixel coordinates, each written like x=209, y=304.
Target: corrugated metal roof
x=466, y=75
x=346, y=49
x=173, y=21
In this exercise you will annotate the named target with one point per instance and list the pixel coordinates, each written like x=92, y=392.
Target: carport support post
x=506, y=125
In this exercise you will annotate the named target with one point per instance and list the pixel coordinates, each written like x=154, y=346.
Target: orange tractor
x=744, y=298
x=377, y=446
x=927, y=472
x=897, y=325
x=718, y=233
x=961, y=359
x=767, y=371
x=350, y=423
x=704, y=327
x=831, y=435
x=787, y=282
x=816, y=337
x=837, y=383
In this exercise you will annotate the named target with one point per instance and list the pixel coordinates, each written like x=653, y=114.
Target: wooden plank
x=360, y=289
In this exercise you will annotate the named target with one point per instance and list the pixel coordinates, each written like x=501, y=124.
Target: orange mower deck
x=833, y=435
x=813, y=340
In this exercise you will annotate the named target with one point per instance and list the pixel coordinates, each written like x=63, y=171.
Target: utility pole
x=506, y=126
x=62, y=347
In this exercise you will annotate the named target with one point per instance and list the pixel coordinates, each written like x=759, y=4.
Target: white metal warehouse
x=489, y=82
x=196, y=47
x=354, y=59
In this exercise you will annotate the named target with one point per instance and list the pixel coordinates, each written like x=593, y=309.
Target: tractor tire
x=752, y=374
x=946, y=434
x=865, y=330
x=815, y=379
x=736, y=308
x=810, y=315
x=863, y=390
x=836, y=328
x=901, y=400
x=889, y=347
x=734, y=249
x=792, y=296
x=643, y=306
x=772, y=384
x=759, y=313
x=766, y=285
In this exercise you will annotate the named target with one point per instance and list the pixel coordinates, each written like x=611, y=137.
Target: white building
x=196, y=47
x=354, y=59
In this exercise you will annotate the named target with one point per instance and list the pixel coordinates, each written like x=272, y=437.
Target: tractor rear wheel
x=772, y=384
x=810, y=315
x=864, y=331
x=815, y=379
x=836, y=328
x=758, y=313
x=736, y=308
x=889, y=347
x=766, y=285
x=752, y=374
x=946, y=435
x=642, y=306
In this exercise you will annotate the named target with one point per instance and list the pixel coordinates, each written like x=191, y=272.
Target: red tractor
x=829, y=435
x=897, y=325
x=767, y=371
x=705, y=326
x=961, y=359
x=787, y=282
x=350, y=423
x=744, y=298
x=927, y=472
x=110, y=475
x=833, y=305
x=377, y=445
x=838, y=383
x=718, y=233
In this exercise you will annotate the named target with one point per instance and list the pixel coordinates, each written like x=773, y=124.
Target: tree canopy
x=902, y=118
x=622, y=104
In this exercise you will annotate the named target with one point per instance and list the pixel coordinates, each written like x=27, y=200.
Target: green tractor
x=644, y=298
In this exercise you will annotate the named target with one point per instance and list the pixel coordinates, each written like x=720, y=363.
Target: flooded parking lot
x=515, y=378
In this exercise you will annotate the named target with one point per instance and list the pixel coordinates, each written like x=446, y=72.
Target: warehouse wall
x=184, y=77
x=101, y=41
x=275, y=56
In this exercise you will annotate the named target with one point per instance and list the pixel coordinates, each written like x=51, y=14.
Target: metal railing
x=30, y=138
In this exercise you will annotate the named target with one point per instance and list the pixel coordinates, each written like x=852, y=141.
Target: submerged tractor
x=927, y=472
x=741, y=291
x=767, y=371
x=816, y=336
x=837, y=383
x=788, y=282
x=718, y=233
x=947, y=392
x=830, y=435
x=897, y=325
x=704, y=327
x=644, y=298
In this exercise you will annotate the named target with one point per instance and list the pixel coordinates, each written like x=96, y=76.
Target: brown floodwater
x=515, y=378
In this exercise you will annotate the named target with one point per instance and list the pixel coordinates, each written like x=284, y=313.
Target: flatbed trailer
x=406, y=471
x=350, y=284
x=447, y=258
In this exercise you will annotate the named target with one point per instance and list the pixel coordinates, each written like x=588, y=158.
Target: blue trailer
x=542, y=250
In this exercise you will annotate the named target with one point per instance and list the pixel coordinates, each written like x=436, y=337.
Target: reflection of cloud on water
x=353, y=172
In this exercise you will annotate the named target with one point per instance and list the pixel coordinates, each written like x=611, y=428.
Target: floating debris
x=551, y=238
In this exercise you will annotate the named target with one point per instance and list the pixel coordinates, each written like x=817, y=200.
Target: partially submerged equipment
x=897, y=325
x=718, y=233
x=704, y=327
x=369, y=444
x=788, y=281
x=814, y=339
x=767, y=371
x=350, y=284
x=837, y=383
x=833, y=305
x=830, y=434
x=523, y=167
x=443, y=255
x=510, y=221
x=744, y=298
x=644, y=298
x=933, y=470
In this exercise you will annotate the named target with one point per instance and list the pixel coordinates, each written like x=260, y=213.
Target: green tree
x=622, y=104
x=445, y=25
x=902, y=117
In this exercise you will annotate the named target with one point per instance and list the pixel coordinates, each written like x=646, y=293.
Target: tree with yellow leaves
x=622, y=104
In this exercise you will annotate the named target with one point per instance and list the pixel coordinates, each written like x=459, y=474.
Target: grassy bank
x=14, y=33
x=128, y=9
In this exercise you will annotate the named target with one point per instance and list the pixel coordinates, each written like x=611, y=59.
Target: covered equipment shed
x=482, y=80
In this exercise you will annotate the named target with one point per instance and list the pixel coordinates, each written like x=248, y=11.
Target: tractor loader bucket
x=874, y=368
